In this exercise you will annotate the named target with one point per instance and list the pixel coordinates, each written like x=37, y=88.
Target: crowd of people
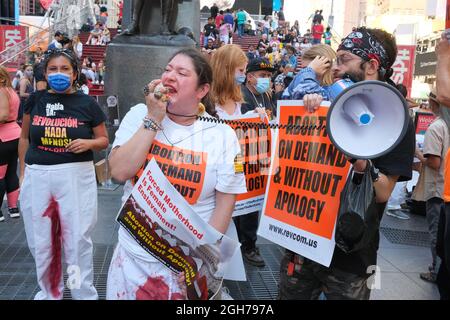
x=59, y=127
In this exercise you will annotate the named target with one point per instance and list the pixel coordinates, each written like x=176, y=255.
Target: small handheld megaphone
x=366, y=119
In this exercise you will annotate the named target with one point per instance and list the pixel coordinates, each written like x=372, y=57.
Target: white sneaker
x=225, y=294
x=14, y=212
x=2, y=218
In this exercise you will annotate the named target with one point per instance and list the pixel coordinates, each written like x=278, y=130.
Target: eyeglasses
x=344, y=59
x=66, y=52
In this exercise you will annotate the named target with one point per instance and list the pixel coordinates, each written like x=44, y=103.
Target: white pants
x=133, y=278
x=59, y=206
x=398, y=196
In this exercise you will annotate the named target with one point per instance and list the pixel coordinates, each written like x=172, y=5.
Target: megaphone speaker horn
x=367, y=119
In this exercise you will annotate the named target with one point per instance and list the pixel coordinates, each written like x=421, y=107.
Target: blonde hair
x=5, y=80
x=224, y=63
x=323, y=50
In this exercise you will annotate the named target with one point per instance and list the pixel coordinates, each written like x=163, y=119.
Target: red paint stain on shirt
x=55, y=269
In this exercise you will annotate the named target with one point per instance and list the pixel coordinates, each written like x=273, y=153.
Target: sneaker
x=428, y=276
x=399, y=214
x=2, y=218
x=14, y=212
x=225, y=294
x=253, y=257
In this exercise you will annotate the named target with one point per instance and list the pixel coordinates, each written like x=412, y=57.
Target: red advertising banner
x=404, y=66
x=423, y=121
x=447, y=19
x=13, y=39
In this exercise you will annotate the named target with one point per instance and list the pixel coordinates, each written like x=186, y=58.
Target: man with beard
x=366, y=54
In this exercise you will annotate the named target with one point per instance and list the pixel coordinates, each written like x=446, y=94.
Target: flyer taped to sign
x=163, y=223
x=255, y=144
x=306, y=178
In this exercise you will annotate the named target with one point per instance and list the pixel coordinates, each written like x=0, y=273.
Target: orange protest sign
x=185, y=169
x=309, y=174
x=255, y=150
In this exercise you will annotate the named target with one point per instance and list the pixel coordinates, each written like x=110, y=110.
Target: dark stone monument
x=135, y=58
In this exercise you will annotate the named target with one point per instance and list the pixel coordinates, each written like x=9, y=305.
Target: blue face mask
x=59, y=82
x=290, y=74
x=262, y=85
x=239, y=78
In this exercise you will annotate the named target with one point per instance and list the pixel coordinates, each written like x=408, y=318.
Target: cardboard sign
x=307, y=176
x=164, y=224
x=255, y=144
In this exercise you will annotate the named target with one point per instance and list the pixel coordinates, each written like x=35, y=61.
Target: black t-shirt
x=209, y=28
x=56, y=120
x=252, y=101
x=288, y=38
x=398, y=162
x=262, y=44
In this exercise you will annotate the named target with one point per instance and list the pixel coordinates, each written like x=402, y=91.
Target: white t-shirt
x=79, y=49
x=224, y=115
x=219, y=145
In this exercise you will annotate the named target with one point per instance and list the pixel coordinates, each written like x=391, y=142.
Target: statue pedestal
x=130, y=66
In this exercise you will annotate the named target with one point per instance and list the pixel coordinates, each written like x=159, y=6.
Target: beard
x=354, y=75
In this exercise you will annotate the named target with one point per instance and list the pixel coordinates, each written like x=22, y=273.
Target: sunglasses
x=65, y=52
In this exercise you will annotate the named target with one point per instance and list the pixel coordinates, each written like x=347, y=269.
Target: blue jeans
x=240, y=30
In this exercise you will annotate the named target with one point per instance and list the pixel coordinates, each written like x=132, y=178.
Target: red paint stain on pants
x=55, y=269
x=156, y=289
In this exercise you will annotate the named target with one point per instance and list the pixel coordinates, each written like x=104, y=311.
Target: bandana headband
x=361, y=43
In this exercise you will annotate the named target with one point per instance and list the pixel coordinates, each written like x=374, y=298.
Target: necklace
x=185, y=138
x=263, y=105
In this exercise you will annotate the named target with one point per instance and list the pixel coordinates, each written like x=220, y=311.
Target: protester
x=187, y=81
x=443, y=238
x=371, y=58
x=229, y=66
x=315, y=75
x=256, y=93
x=435, y=146
x=9, y=141
x=61, y=128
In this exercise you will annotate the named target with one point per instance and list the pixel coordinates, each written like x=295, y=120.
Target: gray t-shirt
x=437, y=142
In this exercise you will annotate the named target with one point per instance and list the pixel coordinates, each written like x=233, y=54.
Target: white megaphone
x=366, y=119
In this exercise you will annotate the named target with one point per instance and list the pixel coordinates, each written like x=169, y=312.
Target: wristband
x=151, y=124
